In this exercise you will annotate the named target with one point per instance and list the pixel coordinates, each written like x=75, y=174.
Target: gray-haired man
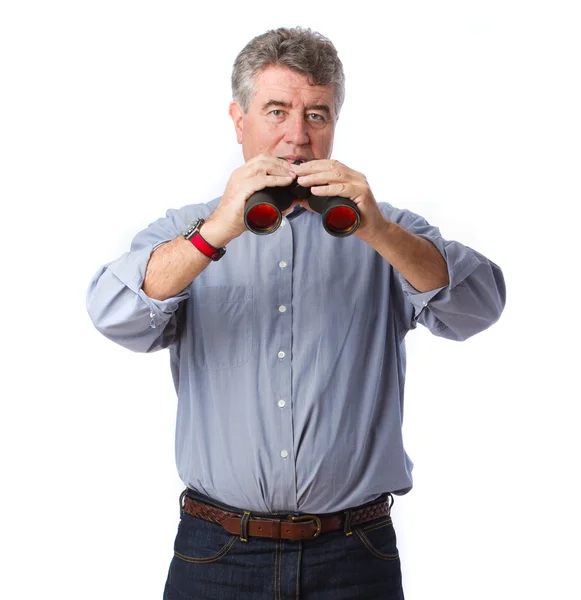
x=287, y=350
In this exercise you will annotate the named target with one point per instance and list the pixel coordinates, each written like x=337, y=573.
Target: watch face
x=193, y=228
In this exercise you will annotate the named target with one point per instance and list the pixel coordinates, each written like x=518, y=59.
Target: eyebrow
x=322, y=107
x=275, y=103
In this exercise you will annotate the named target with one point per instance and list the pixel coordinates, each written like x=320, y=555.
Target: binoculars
x=263, y=210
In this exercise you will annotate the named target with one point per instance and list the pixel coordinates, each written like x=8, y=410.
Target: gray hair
x=301, y=50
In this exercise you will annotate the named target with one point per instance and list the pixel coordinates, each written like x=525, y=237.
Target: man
x=287, y=351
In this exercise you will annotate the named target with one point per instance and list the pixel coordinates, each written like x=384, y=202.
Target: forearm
x=413, y=256
x=174, y=265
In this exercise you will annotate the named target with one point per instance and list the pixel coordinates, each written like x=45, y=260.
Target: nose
x=297, y=132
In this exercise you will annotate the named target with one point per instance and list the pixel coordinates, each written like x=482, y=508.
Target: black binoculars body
x=263, y=210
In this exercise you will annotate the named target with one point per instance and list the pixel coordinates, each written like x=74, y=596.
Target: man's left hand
x=332, y=178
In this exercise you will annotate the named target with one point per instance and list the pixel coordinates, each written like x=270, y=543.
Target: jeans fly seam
x=280, y=570
x=275, y=565
x=299, y=567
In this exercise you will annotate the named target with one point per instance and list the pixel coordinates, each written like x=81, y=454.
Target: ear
x=237, y=115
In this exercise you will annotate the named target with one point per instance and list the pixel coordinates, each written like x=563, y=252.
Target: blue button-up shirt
x=288, y=356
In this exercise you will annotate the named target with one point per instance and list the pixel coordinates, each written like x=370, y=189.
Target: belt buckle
x=302, y=518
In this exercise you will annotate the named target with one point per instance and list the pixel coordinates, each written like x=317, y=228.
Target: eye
x=316, y=117
x=276, y=112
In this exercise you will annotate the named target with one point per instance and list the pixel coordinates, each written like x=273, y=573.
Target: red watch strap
x=202, y=245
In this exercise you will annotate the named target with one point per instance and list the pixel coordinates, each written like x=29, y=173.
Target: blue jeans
x=211, y=564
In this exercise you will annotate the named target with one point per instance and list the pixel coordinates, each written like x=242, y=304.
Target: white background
x=465, y=112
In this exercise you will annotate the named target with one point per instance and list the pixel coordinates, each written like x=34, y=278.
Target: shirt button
x=283, y=223
x=281, y=354
x=282, y=308
x=282, y=403
x=425, y=303
x=284, y=453
x=282, y=264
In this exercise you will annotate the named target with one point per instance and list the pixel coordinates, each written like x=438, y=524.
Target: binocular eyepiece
x=263, y=210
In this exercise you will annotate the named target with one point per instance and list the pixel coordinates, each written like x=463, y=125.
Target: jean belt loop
x=347, y=527
x=182, y=496
x=244, y=526
x=390, y=501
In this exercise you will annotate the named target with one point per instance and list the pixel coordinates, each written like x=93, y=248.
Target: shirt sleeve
x=117, y=305
x=475, y=296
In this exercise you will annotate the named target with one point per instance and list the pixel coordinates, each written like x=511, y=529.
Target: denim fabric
x=211, y=564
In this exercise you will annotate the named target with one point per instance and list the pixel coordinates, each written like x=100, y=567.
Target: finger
x=266, y=158
x=315, y=166
x=277, y=166
x=322, y=178
x=334, y=189
x=278, y=180
x=259, y=182
x=269, y=165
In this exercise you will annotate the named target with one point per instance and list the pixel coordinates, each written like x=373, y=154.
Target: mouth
x=293, y=157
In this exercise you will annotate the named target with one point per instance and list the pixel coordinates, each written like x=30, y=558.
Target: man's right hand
x=227, y=221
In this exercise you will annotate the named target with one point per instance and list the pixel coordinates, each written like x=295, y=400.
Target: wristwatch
x=193, y=234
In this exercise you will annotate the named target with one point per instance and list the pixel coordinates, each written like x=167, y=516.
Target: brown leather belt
x=294, y=527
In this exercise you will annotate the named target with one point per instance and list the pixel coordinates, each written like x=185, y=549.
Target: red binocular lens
x=262, y=217
x=341, y=219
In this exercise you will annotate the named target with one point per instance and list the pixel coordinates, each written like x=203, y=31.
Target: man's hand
x=416, y=258
x=332, y=178
x=227, y=221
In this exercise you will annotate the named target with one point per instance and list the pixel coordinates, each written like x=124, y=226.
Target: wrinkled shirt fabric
x=288, y=356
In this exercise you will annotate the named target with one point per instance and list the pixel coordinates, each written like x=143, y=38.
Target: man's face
x=287, y=117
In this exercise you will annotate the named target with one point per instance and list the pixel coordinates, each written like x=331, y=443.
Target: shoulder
x=175, y=222
x=186, y=214
x=401, y=216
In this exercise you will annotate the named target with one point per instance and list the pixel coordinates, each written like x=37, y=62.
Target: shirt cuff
x=460, y=262
x=420, y=300
x=130, y=270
